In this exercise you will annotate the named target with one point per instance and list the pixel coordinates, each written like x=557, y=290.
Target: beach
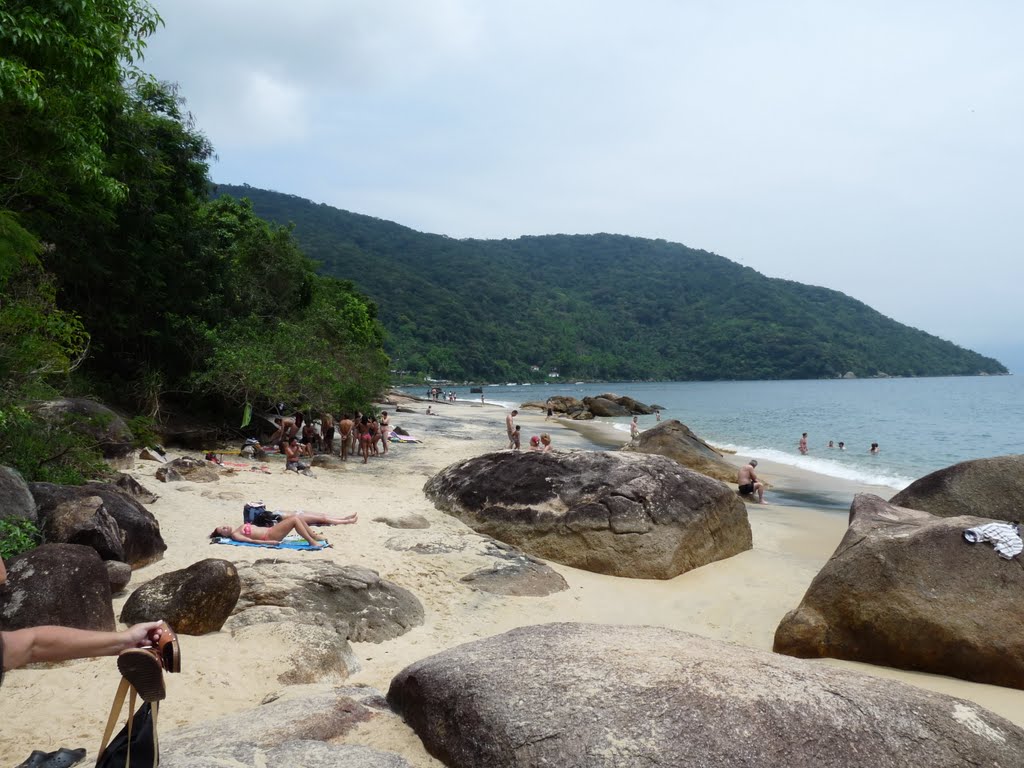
x=739, y=600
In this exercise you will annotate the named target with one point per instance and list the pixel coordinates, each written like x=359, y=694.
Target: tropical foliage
x=118, y=275
x=600, y=306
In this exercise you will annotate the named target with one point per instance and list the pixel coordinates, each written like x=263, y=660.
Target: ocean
x=921, y=425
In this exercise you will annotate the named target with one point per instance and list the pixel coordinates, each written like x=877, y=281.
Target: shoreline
x=740, y=600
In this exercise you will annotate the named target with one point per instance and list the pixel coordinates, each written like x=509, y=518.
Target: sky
x=870, y=147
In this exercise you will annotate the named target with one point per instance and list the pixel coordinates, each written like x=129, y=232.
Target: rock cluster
x=607, y=404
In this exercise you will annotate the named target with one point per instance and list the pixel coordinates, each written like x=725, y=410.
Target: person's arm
x=3, y=571
x=51, y=643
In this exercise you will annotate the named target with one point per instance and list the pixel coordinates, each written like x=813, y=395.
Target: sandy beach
x=740, y=600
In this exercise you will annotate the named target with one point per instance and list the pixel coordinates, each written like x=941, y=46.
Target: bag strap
x=154, y=709
x=131, y=722
x=115, y=710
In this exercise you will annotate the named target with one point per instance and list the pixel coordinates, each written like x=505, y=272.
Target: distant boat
x=511, y=384
x=527, y=384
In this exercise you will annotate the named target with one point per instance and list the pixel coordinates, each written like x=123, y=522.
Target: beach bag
x=257, y=514
x=251, y=510
x=135, y=745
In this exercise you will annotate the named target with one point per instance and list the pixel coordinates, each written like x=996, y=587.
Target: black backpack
x=257, y=514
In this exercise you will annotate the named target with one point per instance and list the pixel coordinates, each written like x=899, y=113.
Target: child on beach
x=515, y=437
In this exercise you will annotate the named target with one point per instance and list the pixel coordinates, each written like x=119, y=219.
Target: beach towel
x=404, y=438
x=1004, y=537
x=286, y=544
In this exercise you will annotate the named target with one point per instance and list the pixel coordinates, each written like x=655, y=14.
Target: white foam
x=828, y=467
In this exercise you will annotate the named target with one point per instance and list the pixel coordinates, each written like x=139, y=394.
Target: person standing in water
x=803, y=443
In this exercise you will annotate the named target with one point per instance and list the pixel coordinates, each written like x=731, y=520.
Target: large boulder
x=674, y=439
x=16, y=500
x=984, y=487
x=62, y=584
x=141, y=540
x=602, y=406
x=195, y=600
x=291, y=730
x=375, y=609
x=631, y=515
x=94, y=420
x=905, y=589
x=84, y=520
x=602, y=696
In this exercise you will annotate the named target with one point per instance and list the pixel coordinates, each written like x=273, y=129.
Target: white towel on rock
x=1004, y=537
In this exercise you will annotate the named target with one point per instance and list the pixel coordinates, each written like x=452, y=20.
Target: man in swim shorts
x=748, y=482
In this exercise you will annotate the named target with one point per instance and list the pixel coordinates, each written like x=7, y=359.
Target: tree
x=61, y=73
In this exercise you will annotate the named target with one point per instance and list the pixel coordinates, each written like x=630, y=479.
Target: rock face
x=84, y=520
x=94, y=420
x=602, y=406
x=141, y=537
x=991, y=488
x=904, y=589
x=62, y=584
x=515, y=573
x=630, y=515
x=135, y=489
x=290, y=731
x=598, y=696
x=375, y=609
x=194, y=600
x=15, y=498
x=187, y=468
x=119, y=574
x=674, y=439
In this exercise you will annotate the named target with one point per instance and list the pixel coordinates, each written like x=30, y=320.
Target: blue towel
x=283, y=545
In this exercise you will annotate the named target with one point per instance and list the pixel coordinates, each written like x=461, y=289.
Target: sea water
x=920, y=424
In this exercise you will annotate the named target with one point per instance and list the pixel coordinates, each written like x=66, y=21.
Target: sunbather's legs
x=319, y=518
x=289, y=524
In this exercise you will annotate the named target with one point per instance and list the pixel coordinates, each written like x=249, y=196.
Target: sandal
x=63, y=758
x=142, y=667
x=170, y=650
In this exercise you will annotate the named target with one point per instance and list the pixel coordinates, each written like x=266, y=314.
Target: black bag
x=251, y=511
x=135, y=746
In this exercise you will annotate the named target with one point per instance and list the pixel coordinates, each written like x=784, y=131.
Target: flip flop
x=170, y=650
x=63, y=758
x=142, y=668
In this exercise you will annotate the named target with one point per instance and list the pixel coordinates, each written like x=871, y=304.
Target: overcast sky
x=871, y=147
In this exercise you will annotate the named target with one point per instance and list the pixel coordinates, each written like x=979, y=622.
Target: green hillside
x=599, y=306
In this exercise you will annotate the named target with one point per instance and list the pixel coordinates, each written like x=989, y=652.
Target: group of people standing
x=297, y=437
x=540, y=443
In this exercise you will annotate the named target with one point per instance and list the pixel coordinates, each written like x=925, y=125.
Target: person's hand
x=142, y=635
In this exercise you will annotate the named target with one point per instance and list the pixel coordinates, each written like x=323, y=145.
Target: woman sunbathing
x=253, y=534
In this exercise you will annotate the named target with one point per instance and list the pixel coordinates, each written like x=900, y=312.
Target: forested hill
x=599, y=306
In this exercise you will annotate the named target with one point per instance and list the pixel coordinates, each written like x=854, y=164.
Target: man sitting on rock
x=749, y=483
